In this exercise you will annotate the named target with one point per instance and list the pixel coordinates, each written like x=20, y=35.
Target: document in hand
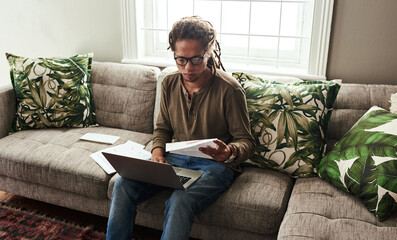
x=191, y=148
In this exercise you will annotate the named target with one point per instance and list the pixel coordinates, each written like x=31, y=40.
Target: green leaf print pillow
x=364, y=162
x=52, y=92
x=289, y=122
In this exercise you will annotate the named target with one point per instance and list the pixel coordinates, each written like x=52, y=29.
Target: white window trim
x=317, y=62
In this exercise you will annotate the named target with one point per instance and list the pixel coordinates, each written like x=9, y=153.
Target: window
x=288, y=37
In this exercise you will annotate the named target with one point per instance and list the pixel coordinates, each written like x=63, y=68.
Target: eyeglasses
x=182, y=61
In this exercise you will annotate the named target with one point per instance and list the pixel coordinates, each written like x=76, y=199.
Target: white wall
x=47, y=28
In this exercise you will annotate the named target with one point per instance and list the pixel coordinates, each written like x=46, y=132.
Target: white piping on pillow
x=393, y=100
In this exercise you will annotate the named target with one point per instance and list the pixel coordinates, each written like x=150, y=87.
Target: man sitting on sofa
x=199, y=101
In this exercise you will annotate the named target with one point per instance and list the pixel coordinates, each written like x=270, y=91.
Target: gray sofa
x=53, y=165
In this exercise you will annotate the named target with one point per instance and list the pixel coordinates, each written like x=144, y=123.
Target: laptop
x=152, y=172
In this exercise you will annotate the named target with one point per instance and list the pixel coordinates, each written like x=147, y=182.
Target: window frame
x=132, y=17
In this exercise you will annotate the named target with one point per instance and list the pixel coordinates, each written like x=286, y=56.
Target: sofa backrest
x=352, y=102
x=124, y=95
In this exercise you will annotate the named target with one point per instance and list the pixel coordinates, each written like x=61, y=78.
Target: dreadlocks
x=196, y=28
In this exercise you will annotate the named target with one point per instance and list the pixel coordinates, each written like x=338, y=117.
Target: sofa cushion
x=289, y=122
x=58, y=159
x=52, y=92
x=255, y=202
x=124, y=95
x=364, y=162
x=319, y=210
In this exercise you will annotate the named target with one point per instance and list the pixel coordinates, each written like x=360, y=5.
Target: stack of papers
x=191, y=148
x=128, y=149
x=136, y=150
x=101, y=138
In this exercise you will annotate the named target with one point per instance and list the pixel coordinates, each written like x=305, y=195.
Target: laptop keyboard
x=183, y=179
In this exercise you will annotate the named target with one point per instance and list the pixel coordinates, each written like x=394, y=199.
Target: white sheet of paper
x=128, y=149
x=101, y=138
x=103, y=162
x=191, y=148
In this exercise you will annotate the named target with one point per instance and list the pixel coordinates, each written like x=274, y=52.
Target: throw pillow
x=364, y=162
x=289, y=122
x=393, y=101
x=52, y=92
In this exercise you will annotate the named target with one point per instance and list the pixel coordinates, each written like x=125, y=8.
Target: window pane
x=178, y=9
x=235, y=17
x=234, y=45
x=289, y=50
x=248, y=31
x=291, y=19
x=265, y=18
x=161, y=41
x=210, y=11
x=160, y=16
x=263, y=47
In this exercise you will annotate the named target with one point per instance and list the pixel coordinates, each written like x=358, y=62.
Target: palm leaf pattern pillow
x=289, y=122
x=364, y=162
x=52, y=92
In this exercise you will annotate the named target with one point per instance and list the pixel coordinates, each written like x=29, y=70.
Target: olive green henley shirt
x=217, y=110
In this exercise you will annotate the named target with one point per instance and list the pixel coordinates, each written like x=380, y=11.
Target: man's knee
x=126, y=188
x=180, y=199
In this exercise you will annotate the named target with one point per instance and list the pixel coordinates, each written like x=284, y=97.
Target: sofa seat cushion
x=319, y=210
x=57, y=158
x=255, y=202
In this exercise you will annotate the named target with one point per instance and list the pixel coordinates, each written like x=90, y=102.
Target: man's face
x=188, y=49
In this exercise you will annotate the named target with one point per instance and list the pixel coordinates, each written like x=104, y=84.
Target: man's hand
x=158, y=155
x=220, y=153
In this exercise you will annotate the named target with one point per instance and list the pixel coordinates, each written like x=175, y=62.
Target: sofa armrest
x=7, y=109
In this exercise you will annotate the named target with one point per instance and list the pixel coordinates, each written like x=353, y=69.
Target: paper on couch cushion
x=101, y=138
x=128, y=149
x=191, y=148
x=102, y=162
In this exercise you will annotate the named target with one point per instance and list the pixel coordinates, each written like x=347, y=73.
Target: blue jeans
x=180, y=208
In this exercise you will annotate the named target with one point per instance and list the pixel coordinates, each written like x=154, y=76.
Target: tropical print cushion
x=289, y=122
x=52, y=92
x=364, y=162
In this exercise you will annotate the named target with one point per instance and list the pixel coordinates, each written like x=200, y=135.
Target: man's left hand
x=220, y=153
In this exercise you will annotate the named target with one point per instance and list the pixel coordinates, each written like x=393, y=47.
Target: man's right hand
x=158, y=155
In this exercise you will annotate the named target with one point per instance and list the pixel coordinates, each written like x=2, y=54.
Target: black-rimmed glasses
x=182, y=61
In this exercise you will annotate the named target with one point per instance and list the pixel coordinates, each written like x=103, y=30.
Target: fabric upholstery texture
x=364, y=162
x=289, y=122
x=55, y=196
x=7, y=109
x=319, y=210
x=52, y=92
x=58, y=159
x=124, y=95
x=204, y=231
